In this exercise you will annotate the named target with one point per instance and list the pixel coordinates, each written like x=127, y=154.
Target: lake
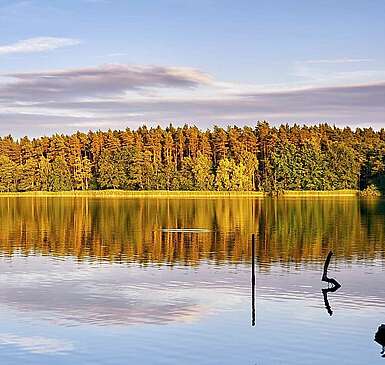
x=168, y=281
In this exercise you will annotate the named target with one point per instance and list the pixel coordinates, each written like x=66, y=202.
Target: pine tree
x=60, y=178
x=203, y=177
x=9, y=174
x=29, y=176
x=44, y=171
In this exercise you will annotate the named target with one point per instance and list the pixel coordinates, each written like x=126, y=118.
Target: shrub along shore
x=115, y=193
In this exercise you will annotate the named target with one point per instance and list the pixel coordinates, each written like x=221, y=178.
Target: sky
x=100, y=64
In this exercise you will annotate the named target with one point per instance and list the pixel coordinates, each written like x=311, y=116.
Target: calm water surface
x=152, y=281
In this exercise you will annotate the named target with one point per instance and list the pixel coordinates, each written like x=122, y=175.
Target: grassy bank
x=304, y=193
x=179, y=194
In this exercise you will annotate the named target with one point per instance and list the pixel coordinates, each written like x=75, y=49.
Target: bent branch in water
x=335, y=287
x=325, y=273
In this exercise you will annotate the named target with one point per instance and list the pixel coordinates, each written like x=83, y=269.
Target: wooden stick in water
x=325, y=272
x=253, y=280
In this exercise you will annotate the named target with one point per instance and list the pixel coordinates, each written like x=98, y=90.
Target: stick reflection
x=335, y=284
x=253, y=280
x=325, y=295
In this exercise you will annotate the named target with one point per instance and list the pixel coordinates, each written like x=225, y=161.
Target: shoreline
x=181, y=194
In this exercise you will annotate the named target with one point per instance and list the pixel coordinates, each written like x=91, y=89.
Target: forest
x=250, y=158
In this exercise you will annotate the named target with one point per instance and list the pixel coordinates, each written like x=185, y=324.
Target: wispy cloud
x=37, y=344
x=117, y=54
x=14, y=7
x=338, y=61
x=106, y=81
x=37, y=44
x=354, y=105
x=336, y=72
x=127, y=95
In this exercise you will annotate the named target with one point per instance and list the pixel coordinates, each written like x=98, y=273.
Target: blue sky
x=89, y=64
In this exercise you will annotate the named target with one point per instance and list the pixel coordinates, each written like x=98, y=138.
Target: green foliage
x=8, y=174
x=29, y=178
x=112, y=170
x=260, y=158
x=232, y=176
x=203, y=177
x=370, y=192
x=60, y=179
x=44, y=172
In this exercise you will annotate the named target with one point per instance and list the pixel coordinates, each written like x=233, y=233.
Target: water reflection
x=253, y=280
x=325, y=296
x=290, y=232
x=132, y=281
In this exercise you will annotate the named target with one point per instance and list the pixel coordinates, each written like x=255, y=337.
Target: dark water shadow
x=379, y=337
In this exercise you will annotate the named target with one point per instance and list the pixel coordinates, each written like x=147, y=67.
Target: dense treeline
x=261, y=158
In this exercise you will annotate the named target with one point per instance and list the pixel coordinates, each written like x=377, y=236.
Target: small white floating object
x=185, y=230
